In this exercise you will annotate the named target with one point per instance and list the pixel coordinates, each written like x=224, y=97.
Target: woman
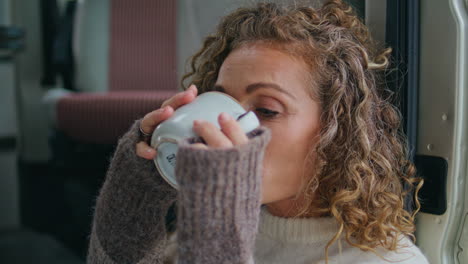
x=321, y=180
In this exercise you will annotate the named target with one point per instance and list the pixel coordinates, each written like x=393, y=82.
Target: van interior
x=75, y=74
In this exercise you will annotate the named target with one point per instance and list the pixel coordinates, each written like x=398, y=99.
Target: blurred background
x=75, y=74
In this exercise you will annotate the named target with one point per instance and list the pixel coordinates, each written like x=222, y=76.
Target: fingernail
x=224, y=117
x=191, y=89
x=196, y=123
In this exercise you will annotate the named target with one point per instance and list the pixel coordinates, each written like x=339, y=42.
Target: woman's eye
x=266, y=113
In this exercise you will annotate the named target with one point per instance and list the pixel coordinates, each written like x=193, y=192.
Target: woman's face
x=277, y=87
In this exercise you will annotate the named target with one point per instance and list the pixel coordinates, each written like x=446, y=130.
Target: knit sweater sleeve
x=219, y=201
x=129, y=217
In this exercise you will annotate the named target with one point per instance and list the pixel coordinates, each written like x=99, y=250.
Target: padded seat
x=126, y=67
x=104, y=117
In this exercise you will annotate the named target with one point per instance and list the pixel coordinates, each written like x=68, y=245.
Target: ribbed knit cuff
x=130, y=213
x=125, y=153
x=219, y=200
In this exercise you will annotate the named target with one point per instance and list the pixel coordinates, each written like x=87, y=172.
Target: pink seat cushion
x=142, y=73
x=104, y=117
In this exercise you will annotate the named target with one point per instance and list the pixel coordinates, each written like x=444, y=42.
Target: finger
x=152, y=119
x=193, y=89
x=200, y=146
x=145, y=151
x=211, y=134
x=232, y=129
x=182, y=98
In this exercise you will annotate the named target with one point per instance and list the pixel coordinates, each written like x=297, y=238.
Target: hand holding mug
x=154, y=118
x=231, y=133
x=214, y=118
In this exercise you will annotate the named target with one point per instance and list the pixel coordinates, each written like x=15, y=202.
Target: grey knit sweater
x=218, y=205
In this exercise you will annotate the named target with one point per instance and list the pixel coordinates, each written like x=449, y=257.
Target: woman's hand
x=231, y=134
x=152, y=119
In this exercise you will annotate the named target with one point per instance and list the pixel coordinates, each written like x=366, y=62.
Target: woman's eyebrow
x=255, y=86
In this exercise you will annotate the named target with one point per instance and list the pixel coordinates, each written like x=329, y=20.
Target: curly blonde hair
x=362, y=151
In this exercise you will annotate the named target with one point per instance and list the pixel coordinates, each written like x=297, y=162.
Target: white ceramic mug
x=179, y=126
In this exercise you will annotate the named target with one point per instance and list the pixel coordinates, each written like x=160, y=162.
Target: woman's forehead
x=253, y=64
x=263, y=60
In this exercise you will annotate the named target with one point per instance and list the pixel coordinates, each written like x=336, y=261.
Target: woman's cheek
x=266, y=172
